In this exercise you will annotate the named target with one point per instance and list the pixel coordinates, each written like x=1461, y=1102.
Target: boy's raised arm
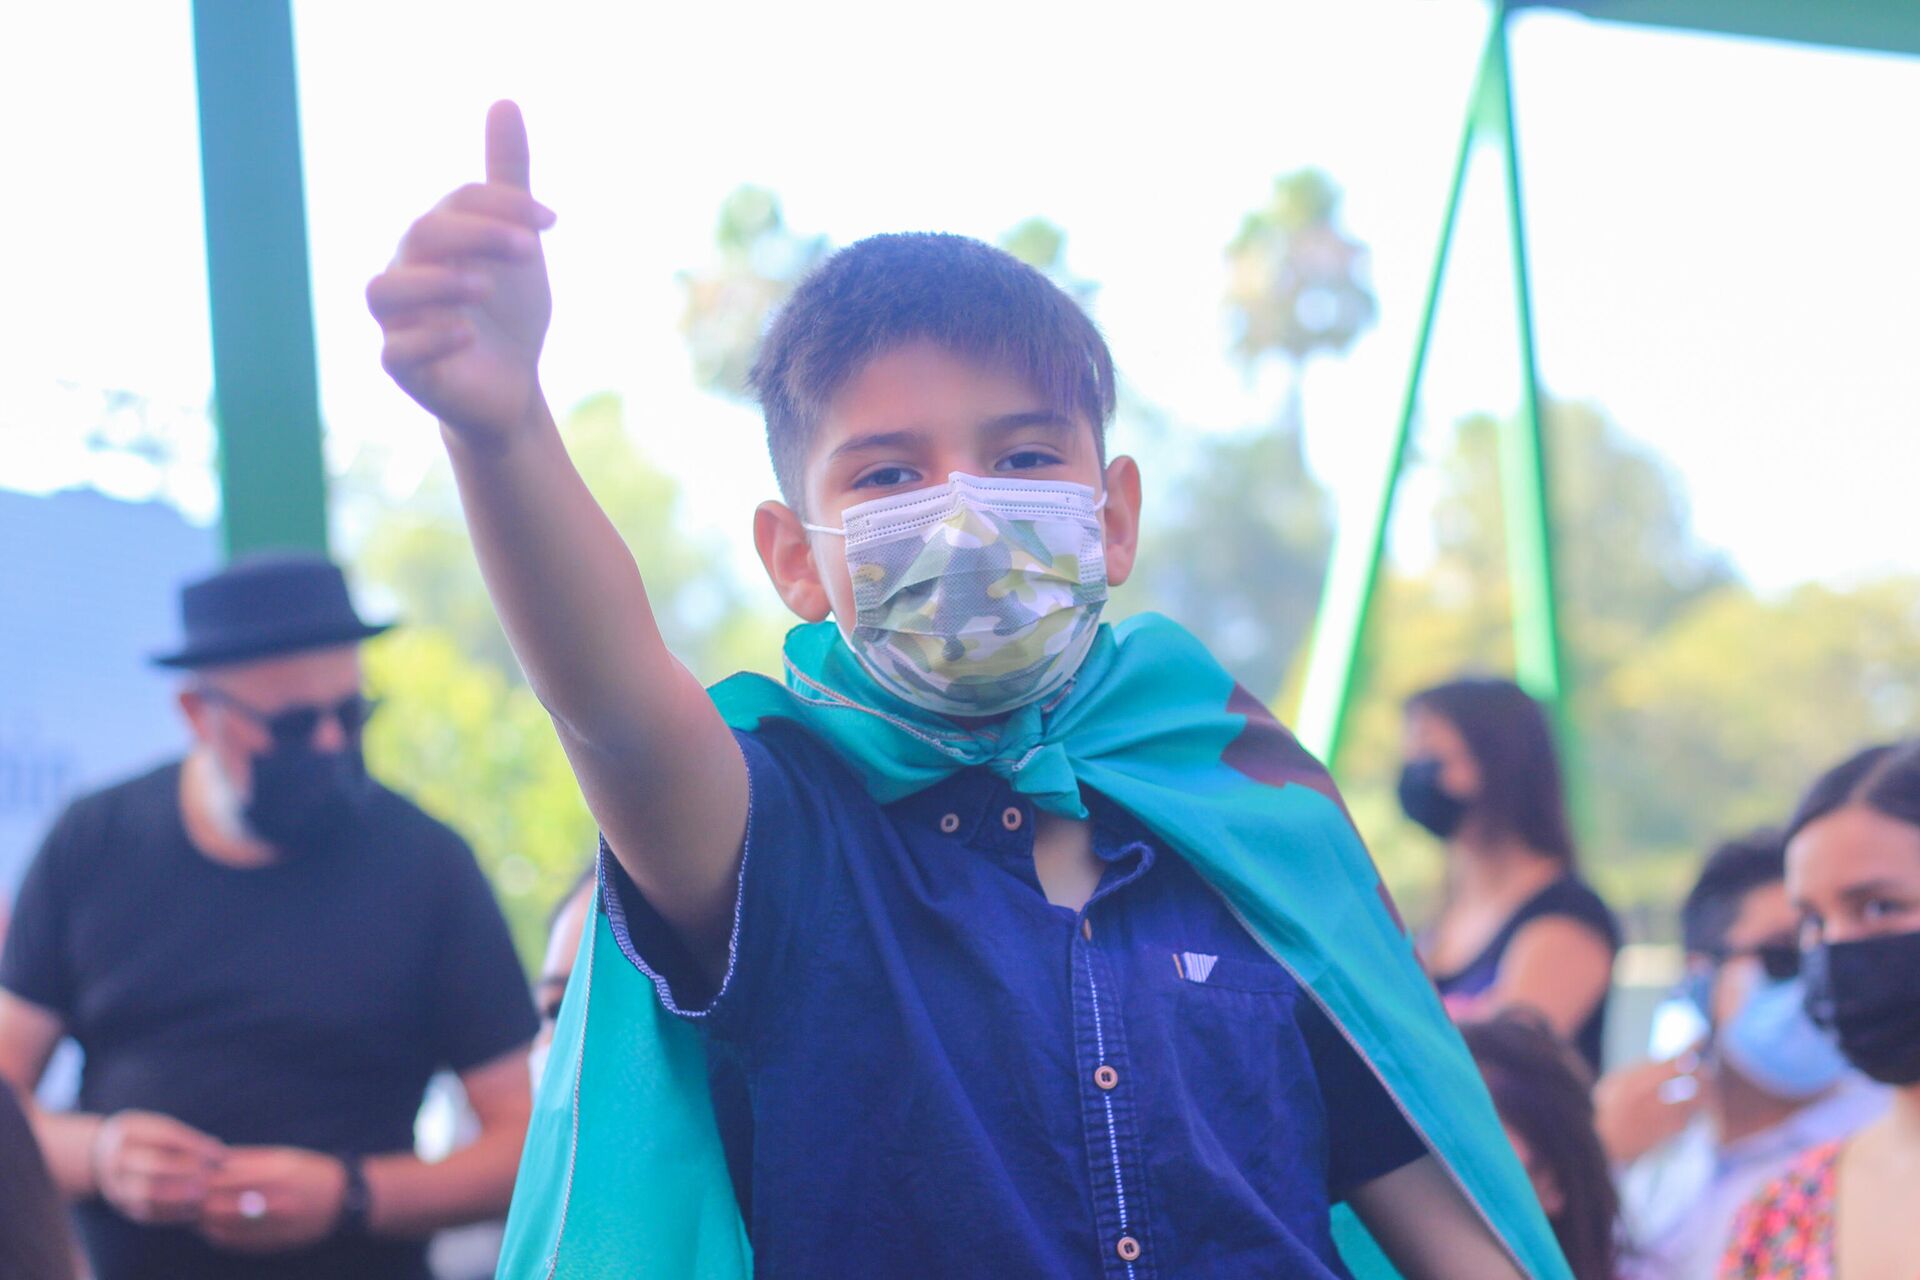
x=464, y=308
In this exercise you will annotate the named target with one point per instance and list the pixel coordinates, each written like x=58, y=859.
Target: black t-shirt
x=302, y=1004
x=1568, y=897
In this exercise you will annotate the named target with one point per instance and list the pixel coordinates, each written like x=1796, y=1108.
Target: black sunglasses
x=1779, y=960
x=295, y=725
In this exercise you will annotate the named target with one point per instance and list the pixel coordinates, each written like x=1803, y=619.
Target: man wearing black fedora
x=265, y=955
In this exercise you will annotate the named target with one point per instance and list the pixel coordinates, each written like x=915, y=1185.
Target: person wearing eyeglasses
x=265, y=954
x=1698, y=1134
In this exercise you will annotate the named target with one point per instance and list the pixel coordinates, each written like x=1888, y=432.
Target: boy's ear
x=787, y=552
x=1122, y=518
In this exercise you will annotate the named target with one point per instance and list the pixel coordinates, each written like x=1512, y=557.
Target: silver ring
x=252, y=1205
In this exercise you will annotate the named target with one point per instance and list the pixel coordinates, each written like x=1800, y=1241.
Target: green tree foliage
x=1701, y=708
x=1745, y=699
x=1627, y=559
x=1297, y=285
x=1241, y=555
x=417, y=548
x=1042, y=245
x=728, y=303
x=1628, y=565
x=460, y=731
x=475, y=749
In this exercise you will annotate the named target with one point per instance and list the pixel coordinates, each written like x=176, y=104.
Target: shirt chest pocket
x=1232, y=1034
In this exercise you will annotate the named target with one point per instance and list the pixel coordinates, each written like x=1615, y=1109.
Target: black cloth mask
x=304, y=800
x=1868, y=993
x=1427, y=803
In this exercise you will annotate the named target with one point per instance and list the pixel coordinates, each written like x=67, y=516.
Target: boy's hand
x=464, y=304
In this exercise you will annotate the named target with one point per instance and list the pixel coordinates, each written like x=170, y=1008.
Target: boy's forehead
x=924, y=382
x=923, y=392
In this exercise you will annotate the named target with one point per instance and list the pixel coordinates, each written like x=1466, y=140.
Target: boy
x=969, y=1006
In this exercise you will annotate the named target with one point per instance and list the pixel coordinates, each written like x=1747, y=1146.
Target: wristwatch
x=356, y=1203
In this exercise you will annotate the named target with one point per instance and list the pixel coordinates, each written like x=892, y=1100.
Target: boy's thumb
x=507, y=158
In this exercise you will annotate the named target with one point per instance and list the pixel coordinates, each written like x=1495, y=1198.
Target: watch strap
x=356, y=1202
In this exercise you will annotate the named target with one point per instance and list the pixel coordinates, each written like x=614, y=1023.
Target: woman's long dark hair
x=1544, y=1095
x=34, y=1244
x=1521, y=795
x=1885, y=779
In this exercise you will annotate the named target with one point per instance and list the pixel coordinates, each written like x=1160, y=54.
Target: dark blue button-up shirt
x=921, y=1067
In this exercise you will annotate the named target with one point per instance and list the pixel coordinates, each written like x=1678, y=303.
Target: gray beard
x=225, y=804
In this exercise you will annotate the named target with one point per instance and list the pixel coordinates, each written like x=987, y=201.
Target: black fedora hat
x=265, y=605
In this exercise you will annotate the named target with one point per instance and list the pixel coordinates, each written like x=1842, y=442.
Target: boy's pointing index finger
x=508, y=162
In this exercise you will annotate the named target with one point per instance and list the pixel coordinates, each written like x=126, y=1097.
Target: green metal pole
x=1524, y=472
x=1360, y=544
x=266, y=391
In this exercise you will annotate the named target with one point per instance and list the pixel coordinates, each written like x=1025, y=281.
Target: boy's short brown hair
x=881, y=293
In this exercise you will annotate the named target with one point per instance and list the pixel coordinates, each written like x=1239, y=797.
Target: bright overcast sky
x=1724, y=231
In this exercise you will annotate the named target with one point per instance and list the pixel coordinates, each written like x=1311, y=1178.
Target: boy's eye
x=1028, y=459
x=886, y=478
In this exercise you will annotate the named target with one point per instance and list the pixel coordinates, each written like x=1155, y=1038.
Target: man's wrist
x=96, y=1179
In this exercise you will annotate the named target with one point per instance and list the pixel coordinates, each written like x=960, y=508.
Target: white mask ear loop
x=1100, y=505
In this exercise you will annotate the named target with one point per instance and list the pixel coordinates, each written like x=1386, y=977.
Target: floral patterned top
x=1786, y=1232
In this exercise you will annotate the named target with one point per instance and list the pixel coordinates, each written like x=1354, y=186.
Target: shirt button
x=1106, y=1077
x=949, y=822
x=1127, y=1247
x=1012, y=818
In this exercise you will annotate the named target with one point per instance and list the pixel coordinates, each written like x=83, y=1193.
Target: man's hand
x=1637, y=1108
x=464, y=305
x=152, y=1168
x=267, y=1199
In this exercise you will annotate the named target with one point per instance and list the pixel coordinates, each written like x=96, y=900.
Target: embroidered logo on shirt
x=1193, y=966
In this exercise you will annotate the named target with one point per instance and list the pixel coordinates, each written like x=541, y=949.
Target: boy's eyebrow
x=1006, y=424
x=874, y=441
x=1051, y=419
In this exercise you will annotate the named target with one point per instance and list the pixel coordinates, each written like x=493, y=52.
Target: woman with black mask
x=1850, y=1209
x=1517, y=928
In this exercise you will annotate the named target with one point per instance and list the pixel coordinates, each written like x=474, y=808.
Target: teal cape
x=623, y=1174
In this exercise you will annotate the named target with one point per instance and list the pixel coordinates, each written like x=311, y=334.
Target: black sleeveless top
x=1570, y=897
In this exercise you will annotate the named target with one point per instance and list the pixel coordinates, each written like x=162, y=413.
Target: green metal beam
x=1334, y=665
x=1360, y=543
x=1524, y=486
x=266, y=390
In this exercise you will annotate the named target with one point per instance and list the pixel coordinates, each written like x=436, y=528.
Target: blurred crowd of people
x=265, y=955
x=1778, y=1125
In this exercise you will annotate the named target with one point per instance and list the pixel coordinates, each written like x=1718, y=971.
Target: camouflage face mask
x=977, y=596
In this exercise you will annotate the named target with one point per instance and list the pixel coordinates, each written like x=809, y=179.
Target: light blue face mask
x=1773, y=1043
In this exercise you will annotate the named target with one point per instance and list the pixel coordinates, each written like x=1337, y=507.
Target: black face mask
x=304, y=800
x=1868, y=993
x=1426, y=803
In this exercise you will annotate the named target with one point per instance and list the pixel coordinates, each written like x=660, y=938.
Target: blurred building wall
x=87, y=591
